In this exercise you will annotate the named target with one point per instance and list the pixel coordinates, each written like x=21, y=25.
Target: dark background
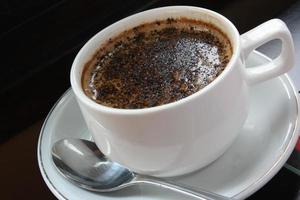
x=39, y=40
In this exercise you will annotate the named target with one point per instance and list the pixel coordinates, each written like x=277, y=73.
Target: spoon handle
x=183, y=189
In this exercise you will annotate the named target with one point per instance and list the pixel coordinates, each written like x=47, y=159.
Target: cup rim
x=79, y=93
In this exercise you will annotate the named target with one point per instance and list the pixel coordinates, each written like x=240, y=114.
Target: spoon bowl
x=95, y=173
x=82, y=163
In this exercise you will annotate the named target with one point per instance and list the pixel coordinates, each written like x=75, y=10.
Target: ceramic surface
x=185, y=135
x=260, y=150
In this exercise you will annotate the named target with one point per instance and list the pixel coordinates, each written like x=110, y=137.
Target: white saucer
x=262, y=147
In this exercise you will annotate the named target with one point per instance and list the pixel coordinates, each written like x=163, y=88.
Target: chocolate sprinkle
x=156, y=63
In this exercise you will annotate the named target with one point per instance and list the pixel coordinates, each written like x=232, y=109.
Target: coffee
x=156, y=63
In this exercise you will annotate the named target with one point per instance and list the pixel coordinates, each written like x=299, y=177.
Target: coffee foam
x=156, y=63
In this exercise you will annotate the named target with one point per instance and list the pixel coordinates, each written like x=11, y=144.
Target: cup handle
x=270, y=30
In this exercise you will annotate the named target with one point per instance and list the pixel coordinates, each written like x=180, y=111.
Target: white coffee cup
x=183, y=136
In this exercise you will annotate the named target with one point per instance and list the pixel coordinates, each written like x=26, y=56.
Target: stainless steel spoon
x=82, y=163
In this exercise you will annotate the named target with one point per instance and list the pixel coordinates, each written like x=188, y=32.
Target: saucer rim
x=278, y=164
x=47, y=180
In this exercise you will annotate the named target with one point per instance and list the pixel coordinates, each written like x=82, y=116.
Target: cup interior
x=196, y=13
